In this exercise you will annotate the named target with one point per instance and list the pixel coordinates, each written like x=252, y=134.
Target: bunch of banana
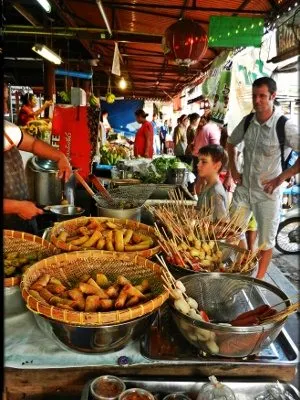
x=94, y=101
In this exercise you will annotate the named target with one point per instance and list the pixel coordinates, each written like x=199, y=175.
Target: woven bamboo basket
x=25, y=243
x=71, y=225
x=69, y=267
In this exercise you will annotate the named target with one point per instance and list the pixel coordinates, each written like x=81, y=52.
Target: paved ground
x=289, y=266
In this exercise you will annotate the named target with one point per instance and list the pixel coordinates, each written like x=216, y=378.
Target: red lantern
x=185, y=42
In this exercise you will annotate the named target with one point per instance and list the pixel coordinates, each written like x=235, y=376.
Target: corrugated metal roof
x=139, y=25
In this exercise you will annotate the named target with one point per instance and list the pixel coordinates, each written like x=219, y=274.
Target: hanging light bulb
x=122, y=83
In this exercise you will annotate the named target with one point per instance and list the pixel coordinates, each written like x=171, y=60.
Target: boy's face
x=207, y=167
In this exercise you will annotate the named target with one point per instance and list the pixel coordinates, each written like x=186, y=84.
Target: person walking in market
x=156, y=131
x=259, y=185
x=19, y=212
x=143, y=143
x=180, y=139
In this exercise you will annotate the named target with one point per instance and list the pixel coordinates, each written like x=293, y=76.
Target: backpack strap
x=247, y=121
x=281, y=137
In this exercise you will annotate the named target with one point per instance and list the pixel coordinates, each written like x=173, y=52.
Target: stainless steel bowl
x=94, y=339
x=129, y=213
x=223, y=297
x=230, y=253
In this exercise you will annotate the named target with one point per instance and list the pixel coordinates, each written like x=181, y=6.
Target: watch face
x=12, y=135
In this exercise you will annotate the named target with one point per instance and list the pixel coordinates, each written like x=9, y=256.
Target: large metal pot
x=129, y=213
x=95, y=339
x=44, y=186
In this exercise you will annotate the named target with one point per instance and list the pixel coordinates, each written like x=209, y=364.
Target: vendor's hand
x=228, y=181
x=65, y=169
x=236, y=176
x=271, y=185
x=27, y=210
x=48, y=103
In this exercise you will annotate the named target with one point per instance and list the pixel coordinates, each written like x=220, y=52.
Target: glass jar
x=107, y=387
x=136, y=394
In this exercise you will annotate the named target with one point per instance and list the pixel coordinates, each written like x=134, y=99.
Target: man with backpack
x=268, y=140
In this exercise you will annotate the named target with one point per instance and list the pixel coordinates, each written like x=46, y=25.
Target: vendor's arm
x=149, y=141
x=23, y=208
x=44, y=150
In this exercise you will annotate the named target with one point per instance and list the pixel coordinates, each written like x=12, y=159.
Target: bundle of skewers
x=192, y=251
x=178, y=216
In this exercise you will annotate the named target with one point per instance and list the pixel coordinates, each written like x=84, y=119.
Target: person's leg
x=251, y=238
x=240, y=198
x=267, y=215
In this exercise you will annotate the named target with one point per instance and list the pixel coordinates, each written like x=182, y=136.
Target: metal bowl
x=94, y=339
x=230, y=254
x=223, y=297
x=64, y=212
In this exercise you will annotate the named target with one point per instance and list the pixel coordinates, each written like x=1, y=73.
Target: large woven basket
x=71, y=225
x=25, y=243
x=69, y=267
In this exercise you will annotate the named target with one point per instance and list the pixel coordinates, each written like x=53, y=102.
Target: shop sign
x=287, y=39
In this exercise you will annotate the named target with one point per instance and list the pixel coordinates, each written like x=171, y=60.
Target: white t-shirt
x=15, y=134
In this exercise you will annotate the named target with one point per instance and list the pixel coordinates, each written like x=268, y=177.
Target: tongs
x=103, y=192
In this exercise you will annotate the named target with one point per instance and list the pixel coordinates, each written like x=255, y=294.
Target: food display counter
x=36, y=365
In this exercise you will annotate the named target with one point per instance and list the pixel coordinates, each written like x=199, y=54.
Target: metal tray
x=244, y=390
x=174, y=347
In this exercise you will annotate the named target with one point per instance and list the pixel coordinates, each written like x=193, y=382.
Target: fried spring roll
x=36, y=295
x=80, y=241
x=137, y=238
x=133, y=301
x=137, y=247
x=128, y=236
x=102, y=280
x=58, y=300
x=71, y=238
x=64, y=306
x=83, y=231
x=100, y=244
x=91, y=303
x=55, y=280
x=121, y=300
x=113, y=291
x=93, y=239
x=75, y=294
x=144, y=286
x=121, y=280
x=55, y=289
x=119, y=241
x=42, y=281
x=46, y=294
x=63, y=236
x=132, y=291
x=88, y=288
x=106, y=304
x=85, y=278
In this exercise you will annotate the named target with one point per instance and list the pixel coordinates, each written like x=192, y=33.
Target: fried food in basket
x=91, y=294
x=16, y=263
x=106, y=235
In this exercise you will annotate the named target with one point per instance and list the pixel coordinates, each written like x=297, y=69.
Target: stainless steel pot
x=95, y=339
x=44, y=186
x=176, y=176
x=129, y=213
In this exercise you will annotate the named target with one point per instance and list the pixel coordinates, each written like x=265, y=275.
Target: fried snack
x=144, y=286
x=36, y=294
x=132, y=291
x=55, y=289
x=85, y=277
x=63, y=236
x=100, y=292
x=93, y=239
x=109, y=241
x=113, y=291
x=58, y=300
x=91, y=303
x=106, y=304
x=42, y=281
x=45, y=294
x=121, y=280
x=111, y=225
x=119, y=241
x=120, y=302
x=100, y=244
x=80, y=241
x=133, y=301
x=102, y=280
x=75, y=294
x=64, y=306
x=137, y=247
x=55, y=281
x=137, y=238
x=84, y=231
x=127, y=236
x=71, y=238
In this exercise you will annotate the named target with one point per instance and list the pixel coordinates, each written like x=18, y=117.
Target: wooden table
x=67, y=383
